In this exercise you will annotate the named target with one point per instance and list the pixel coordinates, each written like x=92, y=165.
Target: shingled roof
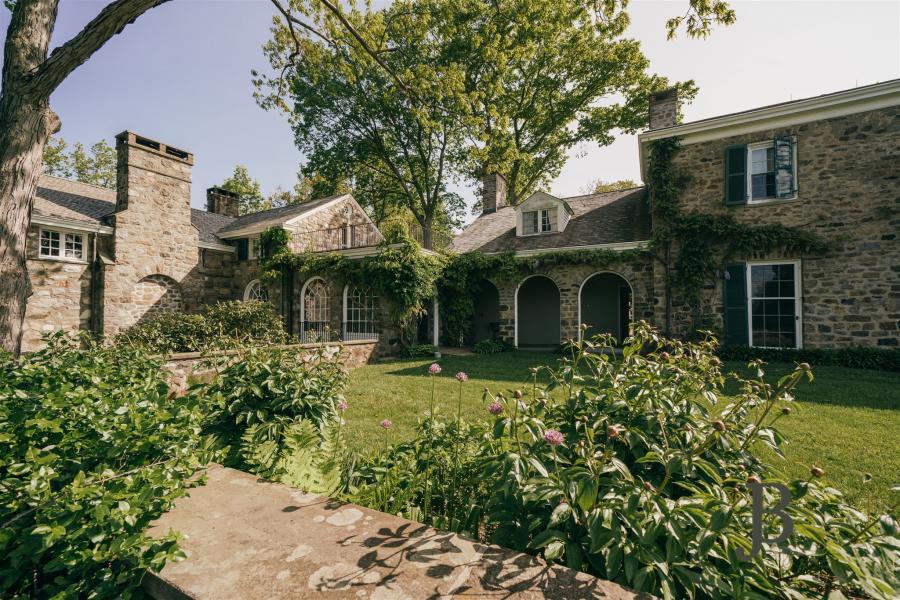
x=208, y=224
x=607, y=218
x=65, y=199
x=276, y=216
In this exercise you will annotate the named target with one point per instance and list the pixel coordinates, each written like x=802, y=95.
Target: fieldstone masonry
x=848, y=176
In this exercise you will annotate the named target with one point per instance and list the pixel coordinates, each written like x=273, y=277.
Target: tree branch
x=65, y=59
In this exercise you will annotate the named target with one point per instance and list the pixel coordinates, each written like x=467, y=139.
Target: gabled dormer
x=542, y=214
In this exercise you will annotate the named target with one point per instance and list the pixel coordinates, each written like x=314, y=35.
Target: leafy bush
x=637, y=470
x=417, y=351
x=220, y=324
x=92, y=449
x=855, y=357
x=271, y=402
x=492, y=347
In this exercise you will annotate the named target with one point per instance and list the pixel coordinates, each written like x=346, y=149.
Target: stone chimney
x=145, y=166
x=664, y=109
x=493, y=192
x=223, y=202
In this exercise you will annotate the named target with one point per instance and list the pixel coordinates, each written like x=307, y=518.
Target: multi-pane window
x=774, y=314
x=254, y=248
x=315, y=316
x=762, y=172
x=55, y=244
x=360, y=314
x=255, y=291
x=537, y=221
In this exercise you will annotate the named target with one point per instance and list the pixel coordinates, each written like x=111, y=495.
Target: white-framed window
x=538, y=221
x=774, y=304
x=315, y=313
x=762, y=172
x=253, y=248
x=61, y=245
x=255, y=291
x=346, y=236
x=360, y=313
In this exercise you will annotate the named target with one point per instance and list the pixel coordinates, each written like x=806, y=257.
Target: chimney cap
x=133, y=139
x=222, y=192
x=664, y=94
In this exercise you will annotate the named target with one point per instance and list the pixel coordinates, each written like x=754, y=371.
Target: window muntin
x=56, y=244
x=253, y=248
x=316, y=314
x=774, y=304
x=537, y=221
x=762, y=172
x=255, y=291
x=360, y=314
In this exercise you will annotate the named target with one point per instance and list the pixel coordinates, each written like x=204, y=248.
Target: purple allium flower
x=495, y=408
x=462, y=377
x=434, y=369
x=342, y=405
x=386, y=424
x=553, y=437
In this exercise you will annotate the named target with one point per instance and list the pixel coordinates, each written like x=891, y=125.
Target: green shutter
x=242, y=249
x=784, y=168
x=736, y=333
x=736, y=175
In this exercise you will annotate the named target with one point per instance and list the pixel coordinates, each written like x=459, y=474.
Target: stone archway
x=537, y=312
x=154, y=294
x=604, y=305
x=486, y=318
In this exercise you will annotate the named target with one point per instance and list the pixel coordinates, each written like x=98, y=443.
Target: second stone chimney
x=223, y=202
x=493, y=192
x=664, y=109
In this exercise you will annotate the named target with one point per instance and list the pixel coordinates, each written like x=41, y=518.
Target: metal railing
x=317, y=331
x=360, y=331
x=363, y=235
x=351, y=331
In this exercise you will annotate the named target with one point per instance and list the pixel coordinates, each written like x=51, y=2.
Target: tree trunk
x=26, y=124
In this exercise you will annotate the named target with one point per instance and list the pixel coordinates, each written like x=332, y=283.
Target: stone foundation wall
x=848, y=179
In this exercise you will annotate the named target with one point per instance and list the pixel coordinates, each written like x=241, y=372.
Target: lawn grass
x=846, y=421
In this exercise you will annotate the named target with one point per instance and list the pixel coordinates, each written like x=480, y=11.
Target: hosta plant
x=638, y=468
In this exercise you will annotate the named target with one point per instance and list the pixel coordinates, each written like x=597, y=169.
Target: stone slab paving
x=248, y=538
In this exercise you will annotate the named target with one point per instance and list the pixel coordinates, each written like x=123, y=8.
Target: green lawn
x=847, y=421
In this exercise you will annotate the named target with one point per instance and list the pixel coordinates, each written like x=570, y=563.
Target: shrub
x=855, y=357
x=417, y=351
x=224, y=323
x=637, y=470
x=271, y=402
x=92, y=449
x=492, y=347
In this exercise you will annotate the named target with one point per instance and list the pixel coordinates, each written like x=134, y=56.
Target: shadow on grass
x=508, y=366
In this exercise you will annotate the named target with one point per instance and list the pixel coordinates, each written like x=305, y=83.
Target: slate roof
x=64, y=199
x=607, y=218
x=208, y=224
x=266, y=218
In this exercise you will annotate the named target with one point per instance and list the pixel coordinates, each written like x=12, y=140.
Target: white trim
x=871, y=97
x=70, y=225
x=613, y=246
x=249, y=286
x=630, y=288
x=61, y=234
x=214, y=246
x=749, y=167
x=798, y=298
x=516, y=308
x=253, y=254
x=303, y=300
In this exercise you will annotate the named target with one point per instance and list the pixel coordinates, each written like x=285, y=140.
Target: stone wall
x=60, y=293
x=154, y=236
x=568, y=280
x=848, y=176
x=320, y=230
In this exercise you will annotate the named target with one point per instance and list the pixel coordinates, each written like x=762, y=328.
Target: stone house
x=101, y=260
x=828, y=164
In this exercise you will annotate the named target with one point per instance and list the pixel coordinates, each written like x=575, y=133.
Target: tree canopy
x=599, y=186
x=96, y=166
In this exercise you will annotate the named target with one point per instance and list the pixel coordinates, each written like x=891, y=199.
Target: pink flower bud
x=386, y=424
x=434, y=369
x=553, y=437
x=462, y=377
x=495, y=408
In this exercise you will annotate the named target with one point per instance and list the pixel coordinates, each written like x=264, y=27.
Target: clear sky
x=181, y=75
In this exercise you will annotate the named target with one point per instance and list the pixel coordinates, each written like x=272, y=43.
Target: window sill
x=539, y=233
x=74, y=261
x=769, y=201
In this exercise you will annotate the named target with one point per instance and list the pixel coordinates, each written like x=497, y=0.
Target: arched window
x=255, y=291
x=360, y=310
x=314, y=310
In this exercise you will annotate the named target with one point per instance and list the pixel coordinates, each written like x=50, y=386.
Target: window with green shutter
x=242, y=248
x=785, y=181
x=735, y=302
x=736, y=175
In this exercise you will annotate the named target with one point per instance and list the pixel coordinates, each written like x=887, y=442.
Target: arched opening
x=255, y=291
x=155, y=294
x=537, y=312
x=360, y=313
x=604, y=305
x=486, y=318
x=315, y=315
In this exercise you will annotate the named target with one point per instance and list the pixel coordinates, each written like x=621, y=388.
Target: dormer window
x=538, y=221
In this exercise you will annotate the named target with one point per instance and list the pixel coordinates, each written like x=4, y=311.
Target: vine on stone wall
x=694, y=245
x=400, y=272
